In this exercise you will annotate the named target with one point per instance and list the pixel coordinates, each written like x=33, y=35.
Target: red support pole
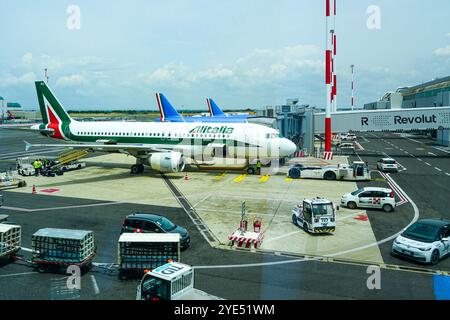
x=328, y=67
x=327, y=134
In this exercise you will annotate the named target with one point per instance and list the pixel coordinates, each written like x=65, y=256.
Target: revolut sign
x=386, y=120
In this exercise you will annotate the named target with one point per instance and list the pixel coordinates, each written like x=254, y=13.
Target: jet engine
x=166, y=162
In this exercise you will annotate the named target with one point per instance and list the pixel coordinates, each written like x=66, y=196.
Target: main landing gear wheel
x=137, y=168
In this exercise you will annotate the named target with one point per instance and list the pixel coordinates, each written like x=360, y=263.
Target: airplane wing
x=102, y=147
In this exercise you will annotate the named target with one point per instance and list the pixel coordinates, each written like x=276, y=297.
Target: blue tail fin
x=214, y=110
x=166, y=110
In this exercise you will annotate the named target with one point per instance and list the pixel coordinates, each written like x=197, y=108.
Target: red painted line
x=51, y=190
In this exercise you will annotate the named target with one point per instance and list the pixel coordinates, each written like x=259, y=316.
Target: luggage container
x=140, y=252
x=55, y=249
x=10, y=240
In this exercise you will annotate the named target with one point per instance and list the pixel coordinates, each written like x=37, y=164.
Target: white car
x=427, y=240
x=371, y=198
x=387, y=164
x=348, y=137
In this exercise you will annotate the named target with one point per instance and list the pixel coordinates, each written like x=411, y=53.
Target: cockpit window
x=272, y=135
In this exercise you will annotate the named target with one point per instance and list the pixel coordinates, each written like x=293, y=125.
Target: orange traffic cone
x=33, y=191
x=186, y=176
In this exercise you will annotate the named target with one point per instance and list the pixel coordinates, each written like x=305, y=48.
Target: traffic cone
x=186, y=176
x=33, y=191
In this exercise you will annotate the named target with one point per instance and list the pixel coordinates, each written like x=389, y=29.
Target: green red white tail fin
x=54, y=116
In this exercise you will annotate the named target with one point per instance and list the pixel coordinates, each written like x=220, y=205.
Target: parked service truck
x=315, y=215
x=138, y=252
x=356, y=171
x=171, y=281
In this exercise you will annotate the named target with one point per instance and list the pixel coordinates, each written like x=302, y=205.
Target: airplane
x=215, y=111
x=162, y=146
x=169, y=114
x=8, y=116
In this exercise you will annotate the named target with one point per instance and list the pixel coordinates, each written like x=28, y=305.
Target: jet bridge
x=385, y=120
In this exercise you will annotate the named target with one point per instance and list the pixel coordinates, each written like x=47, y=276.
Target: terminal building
x=431, y=94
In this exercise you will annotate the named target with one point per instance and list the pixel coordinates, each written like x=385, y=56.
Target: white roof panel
x=149, y=237
x=7, y=227
x=171, y=270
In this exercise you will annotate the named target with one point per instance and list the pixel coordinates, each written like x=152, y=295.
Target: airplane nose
x=287, y=147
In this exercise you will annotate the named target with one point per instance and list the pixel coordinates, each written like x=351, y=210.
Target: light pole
x=353, y=86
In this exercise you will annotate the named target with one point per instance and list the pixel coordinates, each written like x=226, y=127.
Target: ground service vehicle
x=55, y=249
x=9, y=179
x=387, y=164
x=315, y=215
x=171, y=281
x=357, y=171
x=153, y=223
x=10, y=240
x=138, y=252
x=372, y=198
x=427, y=240
x=24, y=166
x=347, y=147
x=348, y=137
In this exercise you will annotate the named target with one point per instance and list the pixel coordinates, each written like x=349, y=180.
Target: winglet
x=166, y=110
x=214, y=110
x=27, y=145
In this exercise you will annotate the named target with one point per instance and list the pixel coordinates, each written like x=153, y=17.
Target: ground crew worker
x=36, y=167
x=258, y=167
x=40, y=165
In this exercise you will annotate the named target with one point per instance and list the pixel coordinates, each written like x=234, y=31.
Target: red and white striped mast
x=333, y=67
x=353, y=87
x=328, y=59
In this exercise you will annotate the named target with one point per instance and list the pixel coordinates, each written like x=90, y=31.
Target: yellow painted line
x=264, y=178
x=220, y=176
x=288, y=179
x=240, y=178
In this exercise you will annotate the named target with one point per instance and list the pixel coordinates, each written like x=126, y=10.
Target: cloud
x=443, y=51
x=73, y=80
x=27, y=60
x=261, y=66
x=12, y=80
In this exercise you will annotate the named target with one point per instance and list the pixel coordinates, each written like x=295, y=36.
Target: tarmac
x=217, y=198
x=290, y=265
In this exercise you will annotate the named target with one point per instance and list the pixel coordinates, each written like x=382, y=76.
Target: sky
x=242, y=53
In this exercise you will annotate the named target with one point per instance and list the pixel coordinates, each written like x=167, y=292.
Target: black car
x=153, y=223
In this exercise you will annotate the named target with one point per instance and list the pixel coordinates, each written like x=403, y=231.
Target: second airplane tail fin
x=166, y=110
x=214, y=110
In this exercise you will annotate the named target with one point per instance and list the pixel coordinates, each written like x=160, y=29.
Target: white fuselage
x=241, y=139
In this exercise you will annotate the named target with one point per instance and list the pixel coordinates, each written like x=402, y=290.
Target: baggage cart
x=55, y=249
